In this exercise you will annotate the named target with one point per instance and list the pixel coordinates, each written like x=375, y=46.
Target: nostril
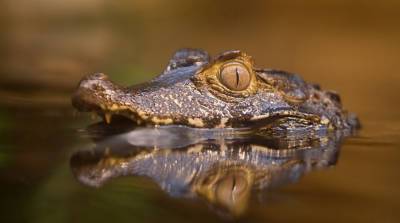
x=93, y=81
x=98, y=76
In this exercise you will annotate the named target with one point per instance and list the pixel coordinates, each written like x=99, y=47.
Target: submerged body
x=224, y=92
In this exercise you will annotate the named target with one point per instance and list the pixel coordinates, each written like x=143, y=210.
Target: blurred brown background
x=47, y=46
x=350, y=46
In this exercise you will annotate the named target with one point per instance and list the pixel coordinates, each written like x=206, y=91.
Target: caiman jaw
x=99, y=95
x=108, y=111
x=95, y=93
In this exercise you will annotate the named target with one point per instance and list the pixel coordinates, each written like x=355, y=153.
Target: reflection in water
x=221, y=167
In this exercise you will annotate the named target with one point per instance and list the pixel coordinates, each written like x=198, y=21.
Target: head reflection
x=223, y=169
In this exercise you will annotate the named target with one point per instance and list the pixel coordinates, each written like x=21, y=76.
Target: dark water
x=38, y=183
x=352, y=47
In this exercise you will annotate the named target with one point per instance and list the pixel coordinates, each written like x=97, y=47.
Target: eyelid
x=208, y=78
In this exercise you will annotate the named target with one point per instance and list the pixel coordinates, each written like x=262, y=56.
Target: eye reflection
x=223, y=172
x=235, y=76
x=231, y=189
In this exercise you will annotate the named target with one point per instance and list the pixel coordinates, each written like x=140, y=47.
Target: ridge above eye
x=235, y=76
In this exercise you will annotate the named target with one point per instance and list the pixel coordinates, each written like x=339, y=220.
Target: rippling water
x=40, y=182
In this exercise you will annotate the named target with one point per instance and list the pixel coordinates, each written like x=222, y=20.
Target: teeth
x=107, y=117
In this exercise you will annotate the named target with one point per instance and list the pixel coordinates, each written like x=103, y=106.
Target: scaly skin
x=192, y=91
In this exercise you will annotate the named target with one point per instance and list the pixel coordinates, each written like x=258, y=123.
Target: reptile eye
x=235, y=76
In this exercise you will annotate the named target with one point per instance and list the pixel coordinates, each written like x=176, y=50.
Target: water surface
x=38, y=185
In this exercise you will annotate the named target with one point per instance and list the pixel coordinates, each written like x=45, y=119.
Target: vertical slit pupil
x=237, y=77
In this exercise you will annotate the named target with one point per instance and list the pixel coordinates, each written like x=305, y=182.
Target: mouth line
x=108, y=111
x=286, y=113
x=137, y=116
x=256, y=122
x=269, y=119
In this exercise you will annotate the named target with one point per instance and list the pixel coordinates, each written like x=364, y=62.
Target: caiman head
x=223, y=92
